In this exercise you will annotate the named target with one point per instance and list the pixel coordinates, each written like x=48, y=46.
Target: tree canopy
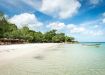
x=10, y=31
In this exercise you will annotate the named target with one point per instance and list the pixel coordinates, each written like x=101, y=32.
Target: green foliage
x=1, y=16
x=59, y=37
x=38, y=37
x=48, y=35
x=10, y=31
x=69, y=39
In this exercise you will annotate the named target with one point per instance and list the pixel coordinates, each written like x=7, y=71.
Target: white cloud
x=26, y=19
x=95, y=2
x=15, y=3
x=56, y=25
x=103, y=14
x=60, y=8
x=103, y=20
x=75, y=29
x=94, y=33
x=85, y=29
x=56, y=8
x=33, y=3
x=95, y=26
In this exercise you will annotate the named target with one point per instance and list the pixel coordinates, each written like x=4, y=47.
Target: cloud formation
x=95, y=2
x=56, y=25
x=20, y=3
x=26, y=19
x=103, y=19
x=95, y=33
x=82, y=29
x=75, y=29
x=60, y=8
x=30, y=20
x=57, y=8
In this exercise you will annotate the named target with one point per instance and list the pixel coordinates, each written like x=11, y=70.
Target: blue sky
x=83, y=19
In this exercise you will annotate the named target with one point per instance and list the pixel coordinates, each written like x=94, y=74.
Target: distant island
x=10, y=34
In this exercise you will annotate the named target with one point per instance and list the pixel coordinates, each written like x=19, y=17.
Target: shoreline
x=10, y=52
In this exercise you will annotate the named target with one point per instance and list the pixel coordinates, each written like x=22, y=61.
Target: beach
x=10, y=52
x=52, y=59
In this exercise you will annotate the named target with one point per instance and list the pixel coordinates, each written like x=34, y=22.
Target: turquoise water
x=66, y=59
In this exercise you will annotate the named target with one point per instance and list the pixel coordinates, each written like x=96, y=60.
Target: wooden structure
x=4, y=41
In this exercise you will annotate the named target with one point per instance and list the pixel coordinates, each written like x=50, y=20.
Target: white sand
x=10, y=52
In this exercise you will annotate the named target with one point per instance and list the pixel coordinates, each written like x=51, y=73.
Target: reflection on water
x=66, y=59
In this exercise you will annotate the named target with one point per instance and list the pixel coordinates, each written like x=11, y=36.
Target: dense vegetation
x=10, y=31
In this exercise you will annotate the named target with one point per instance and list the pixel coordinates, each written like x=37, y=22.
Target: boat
x=96, y=45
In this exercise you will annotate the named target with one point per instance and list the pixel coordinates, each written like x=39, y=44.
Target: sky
x=82, y=19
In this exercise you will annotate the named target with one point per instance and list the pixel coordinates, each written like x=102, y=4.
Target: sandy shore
x=10, y=52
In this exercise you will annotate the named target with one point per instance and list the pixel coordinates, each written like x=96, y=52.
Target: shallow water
x=66, y=59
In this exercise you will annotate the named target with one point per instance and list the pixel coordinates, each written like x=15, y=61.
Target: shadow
x=39, y=57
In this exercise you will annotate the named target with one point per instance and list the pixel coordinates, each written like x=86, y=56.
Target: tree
x=38, y=37
x=69, y=39
x=59, y=38
x=1, y=24
x=48, y=35
x=16, y=34
x=5, y=27
x=25, y=34
x=1, y=15
x=10, y=31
